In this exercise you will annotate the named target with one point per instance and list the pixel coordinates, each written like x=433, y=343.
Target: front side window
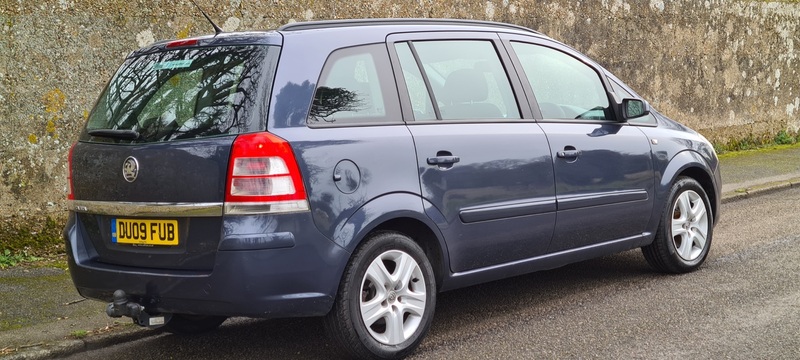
x=565, y=88
x=466, y=76
x=356, y=86
x=185, y=93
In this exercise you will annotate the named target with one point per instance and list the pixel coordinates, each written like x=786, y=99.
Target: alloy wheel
x=393, y=297
x=689, y=225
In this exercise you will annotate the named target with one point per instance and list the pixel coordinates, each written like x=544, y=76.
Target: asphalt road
x=744, y=303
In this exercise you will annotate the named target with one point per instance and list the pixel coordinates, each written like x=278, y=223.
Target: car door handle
x=568, y=154
x=443, y=160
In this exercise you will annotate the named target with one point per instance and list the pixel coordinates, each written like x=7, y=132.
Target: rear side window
x=565, y=87
x=418, y=94
x=186, y=93
x=467, y=78
x=356, y=87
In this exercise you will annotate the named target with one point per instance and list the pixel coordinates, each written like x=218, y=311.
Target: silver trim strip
x=157, y=209
x=151, y=209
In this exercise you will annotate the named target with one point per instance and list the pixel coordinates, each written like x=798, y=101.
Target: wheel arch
x=397, y=212
x=690, y=164
x=424, y=236
x=705, y=180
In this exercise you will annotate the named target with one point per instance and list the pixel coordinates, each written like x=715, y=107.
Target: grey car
x=354, y=169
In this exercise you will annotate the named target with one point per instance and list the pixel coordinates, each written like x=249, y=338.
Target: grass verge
x=757, y=142
x=31, y=242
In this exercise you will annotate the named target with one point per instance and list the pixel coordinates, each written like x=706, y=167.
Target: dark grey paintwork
x=605, y=192
x=498, y=203
x=510, y=204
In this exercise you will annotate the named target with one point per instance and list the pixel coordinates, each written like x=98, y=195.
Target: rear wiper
x=115, y=134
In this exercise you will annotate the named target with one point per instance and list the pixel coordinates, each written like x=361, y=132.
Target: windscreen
x=184, y=94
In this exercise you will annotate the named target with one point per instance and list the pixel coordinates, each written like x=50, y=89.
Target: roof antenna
x=217, y=30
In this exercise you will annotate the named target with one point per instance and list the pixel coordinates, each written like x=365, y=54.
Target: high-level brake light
x=181, y=43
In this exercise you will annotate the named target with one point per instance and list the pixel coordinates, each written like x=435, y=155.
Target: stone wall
x=726, y=68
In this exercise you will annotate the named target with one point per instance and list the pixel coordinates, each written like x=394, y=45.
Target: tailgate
x=148, y=176
x=169, y=216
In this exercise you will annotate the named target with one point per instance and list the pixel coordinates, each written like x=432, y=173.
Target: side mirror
x=634, y=108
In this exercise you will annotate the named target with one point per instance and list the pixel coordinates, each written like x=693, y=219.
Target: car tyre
x=184, y=324
x=684, y=234
x=386, y=299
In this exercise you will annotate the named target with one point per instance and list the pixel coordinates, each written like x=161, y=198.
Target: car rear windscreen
x=185, y=94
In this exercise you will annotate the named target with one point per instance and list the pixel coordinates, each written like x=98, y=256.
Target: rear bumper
x=279, y=279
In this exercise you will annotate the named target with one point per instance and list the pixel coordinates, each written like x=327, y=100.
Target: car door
x=603, y=167
x=485, y=172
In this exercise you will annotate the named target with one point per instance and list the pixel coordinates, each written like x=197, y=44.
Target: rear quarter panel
x=376, y=160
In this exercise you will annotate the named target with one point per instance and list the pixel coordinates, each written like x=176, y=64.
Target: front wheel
x=684, y=234
x=386, y=299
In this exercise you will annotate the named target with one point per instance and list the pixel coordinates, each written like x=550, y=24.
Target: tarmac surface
x=42, y=316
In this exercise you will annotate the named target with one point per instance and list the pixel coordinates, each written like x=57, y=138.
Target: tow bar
x=121, y=306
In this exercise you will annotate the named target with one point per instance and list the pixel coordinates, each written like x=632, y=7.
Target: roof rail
x=324, y=24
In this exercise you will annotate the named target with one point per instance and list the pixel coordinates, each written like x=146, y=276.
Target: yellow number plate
x=144, y=232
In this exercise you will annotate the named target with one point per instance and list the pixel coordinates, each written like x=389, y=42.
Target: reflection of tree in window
x=348, y=90
x=205, y=95
x=173, y=101
x=329, y=101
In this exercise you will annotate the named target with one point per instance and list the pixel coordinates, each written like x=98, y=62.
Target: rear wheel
x=386, y=299
x=684, y=234
x=192, y=324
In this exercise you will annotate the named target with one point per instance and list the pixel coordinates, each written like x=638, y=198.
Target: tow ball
x=122, y=306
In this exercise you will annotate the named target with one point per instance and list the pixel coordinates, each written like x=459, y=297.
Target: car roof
x=406, y=23
x=386, y=26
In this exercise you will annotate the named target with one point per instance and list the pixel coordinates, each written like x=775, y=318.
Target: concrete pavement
x=748, y=173
x=42, y=316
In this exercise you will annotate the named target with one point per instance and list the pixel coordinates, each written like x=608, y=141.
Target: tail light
x=70, y=189
x=263, y=177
